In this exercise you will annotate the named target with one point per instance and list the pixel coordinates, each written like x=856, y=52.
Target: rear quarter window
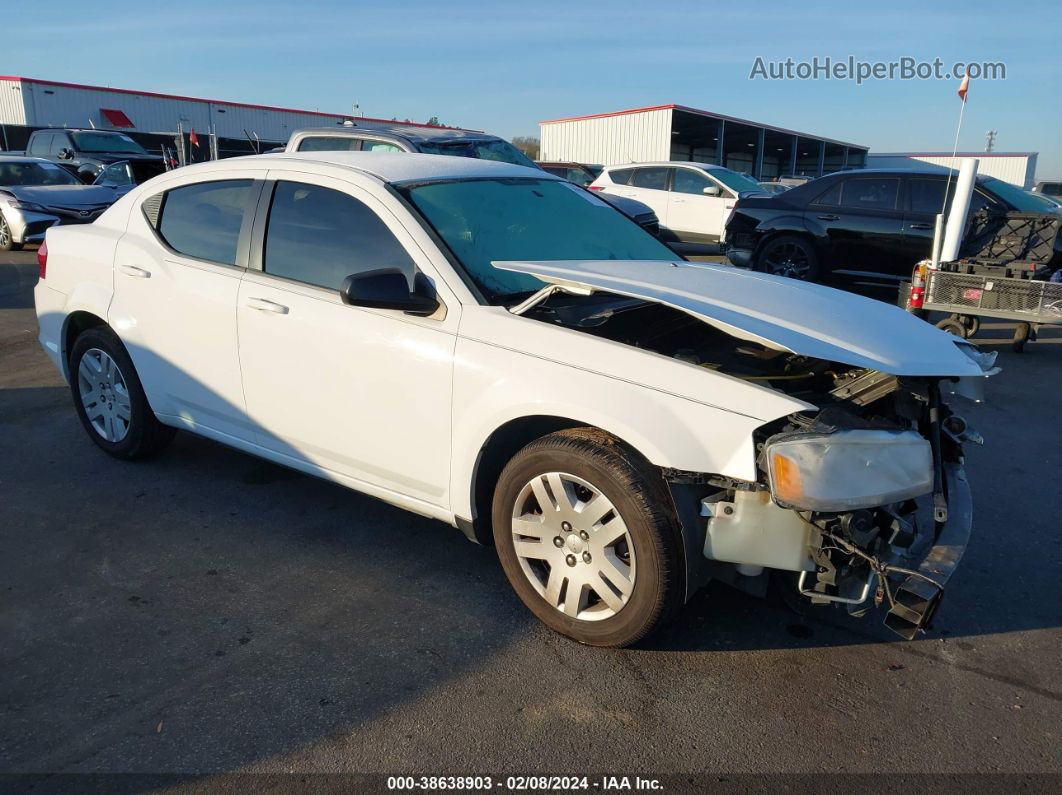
x=621, y=176
x=203, y=220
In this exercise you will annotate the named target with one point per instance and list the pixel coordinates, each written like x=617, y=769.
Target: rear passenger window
x=652, y=178
x=378, y=146
x=203, y=220
x=320, y=236
x=870, y=194
x=831, y=196
x=333, y=143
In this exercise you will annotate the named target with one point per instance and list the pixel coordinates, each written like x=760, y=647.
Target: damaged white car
x=493, y=347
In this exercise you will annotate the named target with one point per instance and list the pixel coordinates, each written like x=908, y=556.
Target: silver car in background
x=36, y=194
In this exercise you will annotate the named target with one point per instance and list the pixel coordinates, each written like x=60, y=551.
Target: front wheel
x=588, y=539
x=109, y=398
x=789, y=255
x=7, y=238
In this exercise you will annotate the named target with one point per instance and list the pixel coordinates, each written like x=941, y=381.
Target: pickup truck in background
x=86, y=152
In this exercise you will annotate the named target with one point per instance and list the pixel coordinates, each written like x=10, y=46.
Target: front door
x=349, y=390
x=694, y=216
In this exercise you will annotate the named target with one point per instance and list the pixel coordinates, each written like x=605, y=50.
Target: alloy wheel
x=5, y=233
x=104, y=395
x=788, y=259
x=573, y=546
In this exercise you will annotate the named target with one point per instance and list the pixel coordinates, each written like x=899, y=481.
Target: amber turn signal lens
x=785, y=479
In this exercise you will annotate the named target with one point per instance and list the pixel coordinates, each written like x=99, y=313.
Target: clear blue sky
x=502, y=67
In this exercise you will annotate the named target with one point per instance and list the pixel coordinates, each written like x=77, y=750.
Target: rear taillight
x=42, y=259
x=594, y=187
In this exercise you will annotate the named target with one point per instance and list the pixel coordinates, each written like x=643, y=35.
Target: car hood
x=629, y=207
x=780, y=313
x=62, y=195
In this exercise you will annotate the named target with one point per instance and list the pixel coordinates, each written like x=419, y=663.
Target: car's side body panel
x=509, y=367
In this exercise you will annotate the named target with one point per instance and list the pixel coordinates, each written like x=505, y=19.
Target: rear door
x=649, y=185
x=693, y=216
x=862, y=221
x=177, y=272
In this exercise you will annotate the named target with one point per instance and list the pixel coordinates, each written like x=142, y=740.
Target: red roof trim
x=710, y=114
x=130, y=92
x=116, y=118
x=606, y=115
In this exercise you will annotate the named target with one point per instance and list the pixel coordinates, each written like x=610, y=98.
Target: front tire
x=789, y=255
x=7, y=237
x=588, y=539
x=110, y=400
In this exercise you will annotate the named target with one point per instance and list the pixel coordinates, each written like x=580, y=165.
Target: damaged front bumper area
x=868, y=510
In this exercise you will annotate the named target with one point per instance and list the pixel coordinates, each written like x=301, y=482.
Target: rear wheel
x=7, y=238
x=789, y=255
x=110, y=400
x=587, y=538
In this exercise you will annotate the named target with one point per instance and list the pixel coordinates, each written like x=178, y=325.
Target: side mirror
x=388, y=288
x=711, y=190
x=66, y=154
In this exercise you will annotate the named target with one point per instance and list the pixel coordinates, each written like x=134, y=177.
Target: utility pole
x=990, y=140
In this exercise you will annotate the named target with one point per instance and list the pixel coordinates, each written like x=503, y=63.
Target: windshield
x=35, y=174
x=1021, y=200
x=735, y=181
x=106, y=142
x=485, y=220
x=502, y=151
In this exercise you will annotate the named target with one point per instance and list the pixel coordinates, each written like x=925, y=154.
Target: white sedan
x=493, y=347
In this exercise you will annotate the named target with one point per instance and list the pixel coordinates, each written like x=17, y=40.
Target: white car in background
x=692, y=200
x=491, y=346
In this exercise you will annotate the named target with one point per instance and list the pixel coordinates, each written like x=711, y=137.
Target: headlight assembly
x=846, y=470
x=17, y=204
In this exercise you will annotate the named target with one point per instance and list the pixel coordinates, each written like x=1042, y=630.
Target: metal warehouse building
x=27, y=104
x=677, y=132
x=1017, y=168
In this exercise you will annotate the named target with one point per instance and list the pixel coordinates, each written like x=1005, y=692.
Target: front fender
x=495, y=385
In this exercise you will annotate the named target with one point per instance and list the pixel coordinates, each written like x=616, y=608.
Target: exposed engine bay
x=842, y=547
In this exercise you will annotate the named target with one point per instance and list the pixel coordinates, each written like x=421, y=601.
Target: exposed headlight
x=847, y=470
x=17, y=204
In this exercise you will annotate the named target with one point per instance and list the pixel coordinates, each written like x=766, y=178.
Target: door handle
x=265, y=305
x=133, y=270
x=829, y=217
x=922, y=226
x=678, y=201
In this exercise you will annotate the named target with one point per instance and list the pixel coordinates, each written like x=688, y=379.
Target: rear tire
x=110, y=400
x=789, y=255
x=603, y=563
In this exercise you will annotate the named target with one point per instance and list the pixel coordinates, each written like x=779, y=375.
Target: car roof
x=21, y=159
x=409, y=166
x=929, y=170
x=415, y=134
x=693, y=163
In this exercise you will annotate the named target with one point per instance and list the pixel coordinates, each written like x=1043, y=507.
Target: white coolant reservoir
x=753, y=531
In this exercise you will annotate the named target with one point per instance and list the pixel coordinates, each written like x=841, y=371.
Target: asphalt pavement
x=207, y=612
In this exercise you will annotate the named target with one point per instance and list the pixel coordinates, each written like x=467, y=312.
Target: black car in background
x=581, y=174
x=86, y=152
x=864, y=226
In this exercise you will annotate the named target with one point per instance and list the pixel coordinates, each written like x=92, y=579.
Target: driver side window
x=320, y=236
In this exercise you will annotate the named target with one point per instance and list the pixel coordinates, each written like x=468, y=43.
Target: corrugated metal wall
x=12, y=109
x=64, y=106
x=609, y=140
x=1017, y=169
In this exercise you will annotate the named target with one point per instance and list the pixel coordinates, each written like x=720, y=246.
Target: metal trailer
x=968, y=297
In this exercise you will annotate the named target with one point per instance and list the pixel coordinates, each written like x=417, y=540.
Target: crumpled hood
x=784, y=314
x=62, y=195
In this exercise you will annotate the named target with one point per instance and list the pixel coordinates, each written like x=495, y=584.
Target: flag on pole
x=193, y=139
x=964, y=86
